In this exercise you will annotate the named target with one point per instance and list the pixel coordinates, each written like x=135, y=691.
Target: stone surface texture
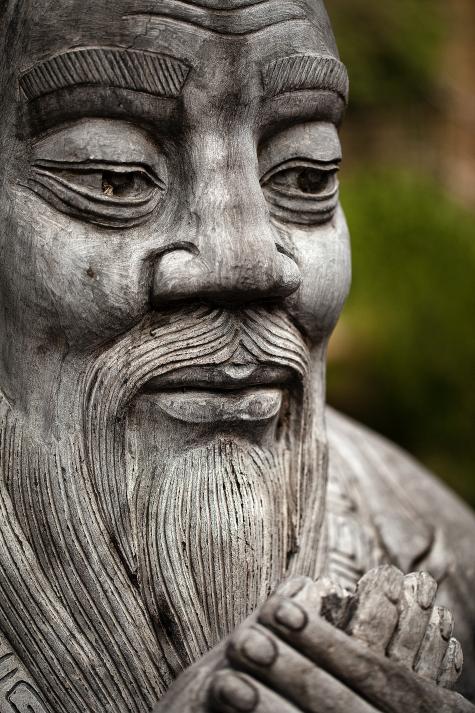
x=184, y=525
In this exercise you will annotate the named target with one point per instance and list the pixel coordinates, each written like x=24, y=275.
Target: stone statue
x=182, y=521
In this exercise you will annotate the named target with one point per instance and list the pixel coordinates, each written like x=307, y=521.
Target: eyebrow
x=306, y=71
x=148, y=72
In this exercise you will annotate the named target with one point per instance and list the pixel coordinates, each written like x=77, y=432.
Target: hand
x=397, y=656
x=383, y=651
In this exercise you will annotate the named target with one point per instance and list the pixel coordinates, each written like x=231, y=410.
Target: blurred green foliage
x=403, y=358
x=391, y=48
x=407, y=362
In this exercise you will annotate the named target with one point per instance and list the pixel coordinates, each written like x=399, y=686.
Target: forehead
x=227, y=54
x=177, y=26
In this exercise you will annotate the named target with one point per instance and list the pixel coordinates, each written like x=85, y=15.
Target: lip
x=229, y=393
x=227, y=377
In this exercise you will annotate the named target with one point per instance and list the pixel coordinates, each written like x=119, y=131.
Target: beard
x=138, y=571
x=215, y=538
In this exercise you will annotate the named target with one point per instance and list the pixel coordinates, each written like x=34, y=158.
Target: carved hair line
x=140, y=71
x=299, y=72
x=66, y=605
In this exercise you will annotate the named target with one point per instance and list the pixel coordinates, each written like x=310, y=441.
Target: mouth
x=228, y=393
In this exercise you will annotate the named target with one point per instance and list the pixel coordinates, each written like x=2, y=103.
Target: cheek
x=325, y=264
x=86, y=282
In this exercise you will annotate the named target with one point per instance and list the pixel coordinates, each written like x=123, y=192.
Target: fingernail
x=291, y=615
x=446, y=623
x=230, y=689
x=451, y=668
x=392, y=580
x=457, y=655
x=426, y=590
x=454, y=656
x=258, y=648
x=385, y=579
x=411, y=584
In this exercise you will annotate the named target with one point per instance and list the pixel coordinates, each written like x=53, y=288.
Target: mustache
x=190, y=336
x=199, y=336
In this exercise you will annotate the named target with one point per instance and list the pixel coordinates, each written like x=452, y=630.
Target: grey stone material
x=184, y=525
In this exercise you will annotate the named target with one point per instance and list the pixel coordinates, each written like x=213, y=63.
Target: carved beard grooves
x=77, y=619
x=214, y=536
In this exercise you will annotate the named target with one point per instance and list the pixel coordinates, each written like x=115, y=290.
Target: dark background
x=403, y=358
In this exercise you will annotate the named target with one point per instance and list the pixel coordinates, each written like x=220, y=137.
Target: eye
x=311, y=180
x=124, y=185
x=302, y=192
x=308, y=180
x=118, y=182
x=116, y=195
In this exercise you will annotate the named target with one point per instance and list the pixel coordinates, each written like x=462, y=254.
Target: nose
x=236, y=255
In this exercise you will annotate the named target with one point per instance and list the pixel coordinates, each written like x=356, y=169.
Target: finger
x=452, y=665
x=323, y=597
x=231, y=691
x=292, y=586
x=376, y=614
x=435, y=644
x=415, y=609
x=284, y=670
x=386, y=684
x=335, y=602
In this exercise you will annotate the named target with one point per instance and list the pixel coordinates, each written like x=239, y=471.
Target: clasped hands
x=311, y=648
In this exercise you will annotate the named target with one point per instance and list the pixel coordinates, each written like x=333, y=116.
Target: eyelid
x=99, y=140
x=96, y=166
x=289, y=205
x=69, y=196
x=314, y=141
x=86, y=194
x=296, y=163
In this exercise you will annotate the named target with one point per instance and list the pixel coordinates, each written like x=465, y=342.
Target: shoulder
x=421, y=523
x=394, y=483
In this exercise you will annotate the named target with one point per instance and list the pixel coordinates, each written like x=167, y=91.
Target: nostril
x=291, y=279
x=181, y=273
x=285, y=251
x=180, y=246
x=290, y=270
x=177, y=273
x=289, y=276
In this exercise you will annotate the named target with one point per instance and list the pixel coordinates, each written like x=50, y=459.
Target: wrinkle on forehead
x=238, y=18
x=223, y=4
x=229, y=22
x=55, y=25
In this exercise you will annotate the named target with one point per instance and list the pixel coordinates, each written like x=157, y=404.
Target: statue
x=183, y=523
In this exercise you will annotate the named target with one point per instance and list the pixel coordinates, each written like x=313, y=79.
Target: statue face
x=197, y=165
x=174, y=259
